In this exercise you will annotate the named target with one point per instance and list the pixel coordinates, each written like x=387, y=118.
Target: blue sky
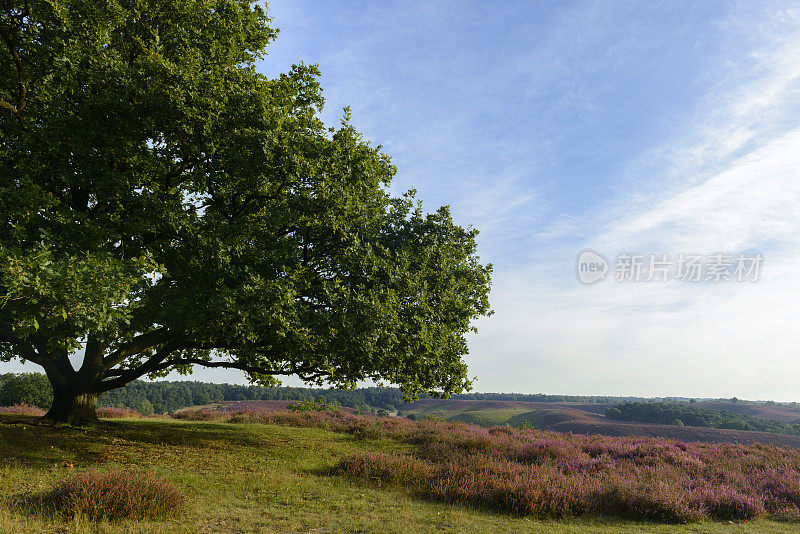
x=552, y=127
x=657, y=127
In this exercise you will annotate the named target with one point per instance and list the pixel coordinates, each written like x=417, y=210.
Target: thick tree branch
x=302, y=372
x=9, y=107
x=25, y=347
x=138, y=344
x=126, y=376
x=225, y=364
x=22, y=91
x=28, y=352
x=55, y=362
x=93, y=357
x=6, y=332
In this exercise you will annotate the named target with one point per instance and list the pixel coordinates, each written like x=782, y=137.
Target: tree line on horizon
x=167, y=396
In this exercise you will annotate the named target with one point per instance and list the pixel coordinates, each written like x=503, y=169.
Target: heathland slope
x=774, y=412
x=279, y=471
x=584, y=418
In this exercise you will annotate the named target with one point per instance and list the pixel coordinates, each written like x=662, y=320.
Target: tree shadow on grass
x=191, y=435
x=25, y=442
x=33, y=446
x=35, y=504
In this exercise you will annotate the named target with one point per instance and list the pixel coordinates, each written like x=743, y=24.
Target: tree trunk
x=72, y=408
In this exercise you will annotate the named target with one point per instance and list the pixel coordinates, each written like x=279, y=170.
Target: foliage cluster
x=167, y=397
x=25, y=388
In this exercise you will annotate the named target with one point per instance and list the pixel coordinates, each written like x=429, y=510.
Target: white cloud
x=753, y=203
x=651, y=339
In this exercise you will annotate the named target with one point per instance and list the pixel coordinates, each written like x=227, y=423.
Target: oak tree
x=163, y=205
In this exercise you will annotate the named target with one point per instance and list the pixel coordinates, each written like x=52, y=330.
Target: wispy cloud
x=754, y=203
x=727, y=181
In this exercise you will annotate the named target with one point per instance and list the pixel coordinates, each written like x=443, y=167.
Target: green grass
x=481, y=417
x=488, y=417
x=251, y=478
x=538, y=418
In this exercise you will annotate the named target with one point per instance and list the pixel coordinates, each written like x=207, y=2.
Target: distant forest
x=673, y=413
x=166, y=397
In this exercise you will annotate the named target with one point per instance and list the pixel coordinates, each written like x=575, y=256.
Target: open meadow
x=288, y=471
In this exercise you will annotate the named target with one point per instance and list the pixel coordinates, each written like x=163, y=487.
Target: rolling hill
x=584, y=418
x=774, y=412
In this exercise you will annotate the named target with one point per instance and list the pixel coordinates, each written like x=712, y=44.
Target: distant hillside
x=680, y=414
x=772, y=411
x=579, y=418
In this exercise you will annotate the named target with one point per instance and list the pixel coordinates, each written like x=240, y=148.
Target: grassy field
x=252, y=478
x=484, y=418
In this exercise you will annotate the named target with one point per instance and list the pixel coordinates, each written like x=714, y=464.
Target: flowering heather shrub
x=203, y=415
x=390, y=468
x=118, y=413
x=312, y=405
x=549, y=474
x=256, y=411
x=21, y=409
x=253, y=406
x=225, y=411
x=115, y=495
x=722, y=502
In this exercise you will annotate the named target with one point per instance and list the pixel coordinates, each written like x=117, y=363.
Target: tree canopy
x=164, y=205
